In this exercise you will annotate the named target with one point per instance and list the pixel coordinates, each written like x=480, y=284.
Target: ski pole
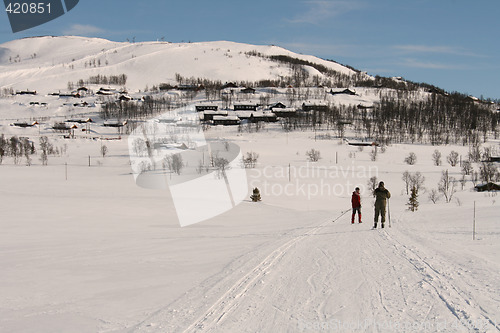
x=389, y=211
x=341, y=215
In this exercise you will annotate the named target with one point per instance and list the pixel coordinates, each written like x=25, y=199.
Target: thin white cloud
x=320, y=10
x=428, y=65
x=83, y=29
x=436, y=50
x=330, y=49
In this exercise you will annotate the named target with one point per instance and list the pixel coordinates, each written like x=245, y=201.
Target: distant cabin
x=26, y=92
x=205, y=107
x=115, y=123
x=285, y=112
x=342, y=92
x=63, y=127
x=83, y=91
x=24, y=124
x=229, y=85
x=277, y=105
x=124, y=98
x=106, y=91
x=226, y=121
x=79, y=121
x=487, y=187
x=210, y=114
x=70, y=95
x=245, y=107
x=248, y=91
x=39, y=103
x=314, y=107
x=190, y=87
x=257, y=116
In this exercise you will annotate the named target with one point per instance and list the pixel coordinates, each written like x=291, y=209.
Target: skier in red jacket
x=356, y=204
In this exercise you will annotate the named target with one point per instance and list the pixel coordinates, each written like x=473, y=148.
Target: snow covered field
x=96, y=253
x=84, y=249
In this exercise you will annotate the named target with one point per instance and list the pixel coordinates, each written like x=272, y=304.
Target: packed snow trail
x=337, y=277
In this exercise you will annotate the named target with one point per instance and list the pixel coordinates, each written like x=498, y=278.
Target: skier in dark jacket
x=356, y=204
x=381, y=195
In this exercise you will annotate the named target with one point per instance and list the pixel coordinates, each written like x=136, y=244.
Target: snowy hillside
x=44, y=63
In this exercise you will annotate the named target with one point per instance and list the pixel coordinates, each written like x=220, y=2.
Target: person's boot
x=360, y=218
x=382, y=225
x=352, y=219
x=375, y=225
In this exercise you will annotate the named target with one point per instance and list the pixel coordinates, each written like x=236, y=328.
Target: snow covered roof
x=220, y=118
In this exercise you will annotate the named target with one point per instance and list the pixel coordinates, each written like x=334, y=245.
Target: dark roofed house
x=190, y=87
x=316, y=106
x=205, y=107
x=245, y=107
x=248, y=91
x=26, y=92
x=277, y=105
x=70, y=95
x=226, y=121
x=346, y=91
x=268, y=117
x=210, y=114
x=365, y=107
x=487, y=187
x=229, y=85
x=125, y=98
x=285, y=113
x=106, y=91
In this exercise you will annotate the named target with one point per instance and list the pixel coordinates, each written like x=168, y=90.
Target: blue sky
x=452, y=44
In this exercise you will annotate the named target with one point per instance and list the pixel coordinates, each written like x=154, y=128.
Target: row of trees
x=17, y=148
x=118, y=80
x=149, y=107
x=437, y=120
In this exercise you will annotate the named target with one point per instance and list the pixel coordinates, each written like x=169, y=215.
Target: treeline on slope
x=149, y=107
x=119, y=80
x=299, y=77
x=437, y=120
x=336, y=79
x=440, y=119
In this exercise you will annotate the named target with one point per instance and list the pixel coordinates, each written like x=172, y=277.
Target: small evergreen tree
x=413, y=201
x=256, y=195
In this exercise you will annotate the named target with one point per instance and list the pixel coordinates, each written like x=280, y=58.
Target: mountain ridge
x=48, y=63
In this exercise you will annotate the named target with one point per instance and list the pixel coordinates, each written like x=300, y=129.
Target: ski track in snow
x=335, y=272
x=208, y=322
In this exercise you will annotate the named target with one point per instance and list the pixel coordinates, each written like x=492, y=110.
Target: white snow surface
x=96, y=253
x=84, y=249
